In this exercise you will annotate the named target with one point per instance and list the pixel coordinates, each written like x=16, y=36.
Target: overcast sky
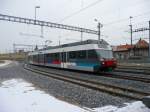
x=114, y=14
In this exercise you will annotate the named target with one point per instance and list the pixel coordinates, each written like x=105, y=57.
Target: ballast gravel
x=141, y=86
x=63, y=90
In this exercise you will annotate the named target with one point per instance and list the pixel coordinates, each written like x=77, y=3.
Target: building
x=141, y=48
x=124, y=52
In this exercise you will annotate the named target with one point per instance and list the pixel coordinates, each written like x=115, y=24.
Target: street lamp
x=36, y=7
x=99, y=26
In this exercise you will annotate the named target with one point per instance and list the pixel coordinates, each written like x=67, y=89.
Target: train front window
x=92, y=54
x=105, y=53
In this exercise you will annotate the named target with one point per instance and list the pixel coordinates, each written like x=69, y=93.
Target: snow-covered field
x=20, y=96
x=17, y=95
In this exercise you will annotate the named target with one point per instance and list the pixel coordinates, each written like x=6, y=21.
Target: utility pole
x=99, y=26
x=131, y=29
x=99, y=31
x=131, y=32
x=149, y=39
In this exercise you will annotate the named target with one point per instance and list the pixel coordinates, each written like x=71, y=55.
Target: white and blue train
x=89, y=55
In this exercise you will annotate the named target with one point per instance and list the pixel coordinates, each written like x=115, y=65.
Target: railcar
x=89, y=55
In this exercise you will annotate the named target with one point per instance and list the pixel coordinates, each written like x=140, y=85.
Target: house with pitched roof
x=141, y=48
x=124, y=52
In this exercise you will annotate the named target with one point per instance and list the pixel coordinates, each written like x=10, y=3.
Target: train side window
x=35, y=58
x=92, y=54
x=41, y=57
x=53, y=56
x=48, y=58
x=56, y=56
x=72, y=55
x=81, y=54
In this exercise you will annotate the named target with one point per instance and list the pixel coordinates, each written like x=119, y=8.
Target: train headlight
x=114, y=59
x=102, y=59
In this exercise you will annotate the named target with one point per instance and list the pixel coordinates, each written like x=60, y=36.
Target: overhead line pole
x=149, y=39
x=131, y=28
x=99, y=26
x=131, y=32
x=141, y=30
x=99, y=31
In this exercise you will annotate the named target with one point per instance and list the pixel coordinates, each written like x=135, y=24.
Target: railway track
x=135, y=77
x=129, y=77
x=134, y=69
x=112, y=89
x=114, y=75
x=134, y=66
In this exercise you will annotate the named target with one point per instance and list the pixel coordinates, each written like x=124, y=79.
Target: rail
x=115, y=90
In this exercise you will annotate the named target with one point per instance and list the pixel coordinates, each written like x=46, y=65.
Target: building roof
x=122, y=47
x=141, y=44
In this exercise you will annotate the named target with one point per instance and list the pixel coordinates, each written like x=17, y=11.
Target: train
x=89, y=55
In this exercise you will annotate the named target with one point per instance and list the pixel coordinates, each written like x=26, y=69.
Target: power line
x=77, y=12
x=125, y=19
x=90, y=5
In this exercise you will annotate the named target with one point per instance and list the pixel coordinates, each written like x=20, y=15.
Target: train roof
x=90, y=41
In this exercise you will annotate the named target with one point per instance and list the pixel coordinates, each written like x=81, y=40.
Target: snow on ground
x=20, y=96
x=137, y=106
x=5, y=63
x=17, y=95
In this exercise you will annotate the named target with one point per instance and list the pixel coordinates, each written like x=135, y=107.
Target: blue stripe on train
x=87, y=64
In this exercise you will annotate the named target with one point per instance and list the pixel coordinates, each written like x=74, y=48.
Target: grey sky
x=106, y=11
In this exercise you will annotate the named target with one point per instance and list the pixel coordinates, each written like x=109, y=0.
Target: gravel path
x=62, y=90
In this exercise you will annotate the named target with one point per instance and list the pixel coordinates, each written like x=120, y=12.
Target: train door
x=43, y=59
x=63, y=59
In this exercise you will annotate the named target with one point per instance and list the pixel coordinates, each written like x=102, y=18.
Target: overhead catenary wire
x=77, y=12
x=125, y=19
x=107, y=24
x=89, y=6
